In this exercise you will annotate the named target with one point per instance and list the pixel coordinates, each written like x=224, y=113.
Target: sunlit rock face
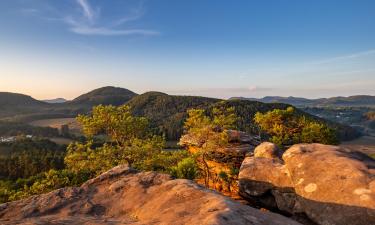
x=126, y=196
x=224, y=160
x=331, y=185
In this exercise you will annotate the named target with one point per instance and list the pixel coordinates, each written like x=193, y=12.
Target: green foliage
x=128, y=141
x=84, y=157
x=28, y=157
x=209, y=132
x=286, y=127
x=117, y=123
x=40, y=183
x=185, y=169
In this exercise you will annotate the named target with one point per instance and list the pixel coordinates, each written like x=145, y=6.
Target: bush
x=286, y=127
x=186, y=169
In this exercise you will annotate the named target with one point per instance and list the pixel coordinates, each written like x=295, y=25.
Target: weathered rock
x=126, y=196
x=242, y=137
x=225, y=159
x=234, y=136
x=331, y=185
x=267, y=150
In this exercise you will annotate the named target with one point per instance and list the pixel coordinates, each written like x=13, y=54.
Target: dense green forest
x=28, y=157
x=167, y=113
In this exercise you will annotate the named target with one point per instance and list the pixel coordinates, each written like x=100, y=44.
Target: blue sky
x=198, y=47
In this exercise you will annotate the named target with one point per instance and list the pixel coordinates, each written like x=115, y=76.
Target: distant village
x=13, y=138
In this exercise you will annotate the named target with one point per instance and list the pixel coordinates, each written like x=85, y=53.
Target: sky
x=215, y=48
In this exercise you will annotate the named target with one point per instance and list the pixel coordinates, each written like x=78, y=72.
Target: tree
x=208, y=132
x=286, y=127
x=117, y=123
x=127, y=140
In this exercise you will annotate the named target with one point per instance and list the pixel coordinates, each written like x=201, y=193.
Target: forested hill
x=105, y=95
x=23, y=108
x=167, y=112
x=13, y=103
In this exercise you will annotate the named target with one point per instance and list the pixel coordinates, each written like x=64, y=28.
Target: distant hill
x=13, y=103
x=355, y=101
x=106, y=95
x=23, y=108
x=168, y=112
x=55, y=100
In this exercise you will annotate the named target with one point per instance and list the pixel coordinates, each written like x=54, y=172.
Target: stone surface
x=331, y=185
x=126, y=196
x=267, y=150
x=225, y=159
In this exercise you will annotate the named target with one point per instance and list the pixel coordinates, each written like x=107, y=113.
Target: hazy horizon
x=52, y=49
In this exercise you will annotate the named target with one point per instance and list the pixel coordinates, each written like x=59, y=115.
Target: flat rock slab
x=126, y=196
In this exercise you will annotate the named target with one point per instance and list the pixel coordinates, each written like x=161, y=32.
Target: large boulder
x=126, y=196
x=329, y=184
x=267, y=150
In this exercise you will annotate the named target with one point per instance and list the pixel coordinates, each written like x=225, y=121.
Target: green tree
x=127, y=141
x=286, y=127
x=208, y=132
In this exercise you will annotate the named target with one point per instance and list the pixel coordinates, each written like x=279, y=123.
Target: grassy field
x=365, y=144
x=57, y=123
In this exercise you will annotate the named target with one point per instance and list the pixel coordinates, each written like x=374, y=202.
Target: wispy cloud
x=111, y=32
x=88, y=12
x=89, y=23
x=345, y=57
x=87, y=19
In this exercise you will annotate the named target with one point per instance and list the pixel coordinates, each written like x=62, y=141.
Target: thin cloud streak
x=89, y=21
x=89, y=26
x=89, y=13
x=110, y=32
x=345, y=57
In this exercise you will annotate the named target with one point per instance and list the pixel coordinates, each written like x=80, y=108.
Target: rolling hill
x=351, y=101
x=23, y=108
x=168, y=112
x=165, y=112
x=106, y=95
x=55, y=100
x=13, y=103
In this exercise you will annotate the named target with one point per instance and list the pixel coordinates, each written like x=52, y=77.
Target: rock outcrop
x=329, y=184
x=126, y=196
x=224, y=160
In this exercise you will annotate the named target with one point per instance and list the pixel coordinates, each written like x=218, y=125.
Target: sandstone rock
x=225, y=159
x=267, y=150
x=331, y=185
x=242, y=137
x=126, y=196
x=234, y=136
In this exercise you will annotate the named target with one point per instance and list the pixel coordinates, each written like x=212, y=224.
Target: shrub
x=186, y=169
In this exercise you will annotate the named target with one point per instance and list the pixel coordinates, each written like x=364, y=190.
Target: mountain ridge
x=354, y=100
x=166, y=112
